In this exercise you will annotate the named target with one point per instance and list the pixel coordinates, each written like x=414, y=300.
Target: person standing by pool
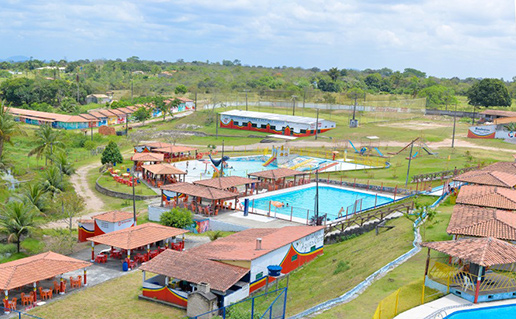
x=339, y=215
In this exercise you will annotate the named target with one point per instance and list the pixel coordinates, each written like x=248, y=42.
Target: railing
x=441, y=175
x=361, y=219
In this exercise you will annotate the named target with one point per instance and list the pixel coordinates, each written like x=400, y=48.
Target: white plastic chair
x=467, y=284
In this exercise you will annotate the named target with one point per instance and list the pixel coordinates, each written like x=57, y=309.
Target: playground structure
x=279, y=155
x=369, y=150
x=421, y=145
x=216, y=163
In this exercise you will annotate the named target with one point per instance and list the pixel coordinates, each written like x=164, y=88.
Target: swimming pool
x=241, y=166
x=301, y=201
x=498, y=312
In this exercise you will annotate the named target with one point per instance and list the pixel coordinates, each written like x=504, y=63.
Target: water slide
x=301, y=164
x=270, y=160
x=351, y=143
x=426, y=149
x=327, y=166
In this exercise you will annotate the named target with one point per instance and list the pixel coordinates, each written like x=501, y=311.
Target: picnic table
x=153, y=253
x=115, y=254
x=75, y=282
x=101, y=258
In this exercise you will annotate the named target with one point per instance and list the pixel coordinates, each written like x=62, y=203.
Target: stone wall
x=111, y=193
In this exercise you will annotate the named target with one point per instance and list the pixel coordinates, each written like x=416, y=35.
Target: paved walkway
x=446, y=305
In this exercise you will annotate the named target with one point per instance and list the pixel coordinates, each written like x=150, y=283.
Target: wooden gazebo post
x=92, y=251
x=479, y=277
x=34, y=284
x=6, y=301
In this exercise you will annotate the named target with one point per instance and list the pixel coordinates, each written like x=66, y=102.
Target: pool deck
x=447, y=305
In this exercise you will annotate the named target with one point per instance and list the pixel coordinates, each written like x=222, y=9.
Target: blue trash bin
x=125, y=266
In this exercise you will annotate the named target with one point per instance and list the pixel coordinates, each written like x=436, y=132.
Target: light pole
x=134, y=196
x=454, y=121
x=317, y=124
x=316, y=208
x=294, y=104
x=409, y=160
x=246, y=106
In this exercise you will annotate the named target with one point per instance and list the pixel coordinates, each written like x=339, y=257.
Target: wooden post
x=477, y=288
x=34, y=290
x=92, y=251
x=6, y=301
x=85, y=282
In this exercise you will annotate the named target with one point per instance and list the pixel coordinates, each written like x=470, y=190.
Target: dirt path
x=94, y=204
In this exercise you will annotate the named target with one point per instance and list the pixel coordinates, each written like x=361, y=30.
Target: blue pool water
x=331, y=200
x=498, y=312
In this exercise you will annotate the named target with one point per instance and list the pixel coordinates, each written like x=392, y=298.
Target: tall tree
x=53, y=181
x=141, y=114
x=16, y=221
x=8, y=127
x=489, y=92
x=47, y=140
x=111, y=154
x=334, y=74
x=69, y=205
x=35, y=195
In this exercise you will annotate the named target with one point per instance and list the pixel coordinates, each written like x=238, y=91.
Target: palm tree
x=8, y=127
x=16, y=220
x=34, y=195
x=46, y=140
x=53, y=181
x=62, y=161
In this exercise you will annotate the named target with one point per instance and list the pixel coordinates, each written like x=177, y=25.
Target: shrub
x=90, y=145
x=7, y=249
x=341, y=266
x=177, y=217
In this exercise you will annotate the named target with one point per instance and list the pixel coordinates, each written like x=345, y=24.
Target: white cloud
x=441, y=37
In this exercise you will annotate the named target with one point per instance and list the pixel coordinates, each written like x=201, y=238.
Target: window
x=294, y=258
x=273, y=127
x=312, y=248
x=302, y=131
x=254, y=125
x=259, y=275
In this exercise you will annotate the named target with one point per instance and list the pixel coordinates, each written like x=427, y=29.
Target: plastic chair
x=467, y=283
x=12, y=303
x=56, y=287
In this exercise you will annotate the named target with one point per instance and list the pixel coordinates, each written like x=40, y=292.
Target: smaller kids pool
x=498, y=312
x=300, y=201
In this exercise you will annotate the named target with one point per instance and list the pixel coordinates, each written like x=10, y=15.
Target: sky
x=444, y=38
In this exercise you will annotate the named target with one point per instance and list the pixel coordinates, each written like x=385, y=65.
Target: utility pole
x=316, y=208
x=217, y=126
x=91, y=128
x=222, y=161
x=409, y=160
x=294, y=104
x=317, y=124
x=454, y=121
x=134, y=196
x=246, y=106
x=355, y=106
x=195, y=109
x=304, y=98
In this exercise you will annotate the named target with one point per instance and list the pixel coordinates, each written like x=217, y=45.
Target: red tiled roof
x=195, y=269
x=97, y=114
x=107, y=113
x=163, y=169
x=225, y=182
x=174, y=149
x=499, y=113
x=28, y=270
x=114, y=216
x=199, y=191
x=482, y=222
x=242, y=245
x=277, y=173
x=484, y=177
x=481, y=251
x=487, y=196
x=506, y=167
x=148, y=157
x=137, y=236
x=157, y=144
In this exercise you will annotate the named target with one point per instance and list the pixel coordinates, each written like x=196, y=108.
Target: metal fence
x=9, y=313
x=270, y=305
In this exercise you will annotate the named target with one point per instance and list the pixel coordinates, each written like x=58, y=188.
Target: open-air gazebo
x=171, y=195
x=476, y=269
x=174, y=153
x=161, y=174
x=277, y=178
x=137, y=238
x=34, y=273
x=140, y=159
x=229, y=183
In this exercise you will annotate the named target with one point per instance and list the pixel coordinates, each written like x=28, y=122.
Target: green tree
x=141, y=114
x=489, y=92
x=111, y=154
x=47, y=140
x=181, y=89
x=62, y=161
x=53, y=181
x=438, y=95
x=68, y=205
x=172, y=105
x=35, y=195
x=161, y=106
x=334, y=74
x=16, y=221
x=8, y=127
x=177, y=217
